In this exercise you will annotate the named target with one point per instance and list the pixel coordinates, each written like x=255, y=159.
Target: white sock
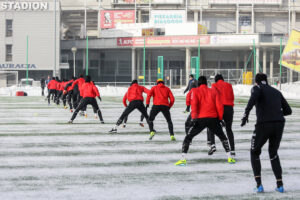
x=183, y=155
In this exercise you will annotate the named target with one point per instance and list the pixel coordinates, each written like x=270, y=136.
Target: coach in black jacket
x=271, y=107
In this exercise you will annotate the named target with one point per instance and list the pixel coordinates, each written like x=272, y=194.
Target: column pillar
x=237, y=16
x=293, y=25
x=196, y=16
x=245, y=60
x=187, y=64
x=257, y=60
x=271, y=66
x=138, y=62
x=253, y=19
x=133, y=71
x=139, y=16
x=264, y=61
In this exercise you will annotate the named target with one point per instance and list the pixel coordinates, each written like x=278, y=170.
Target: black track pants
x=198, y=126
x=165, y=111
x=51, y=92
x=136, y=104
x=271, y=131
x=86, y=101
x=228, y=118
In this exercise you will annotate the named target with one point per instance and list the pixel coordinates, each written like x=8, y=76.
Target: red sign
x=163, y=41
x=109, y=18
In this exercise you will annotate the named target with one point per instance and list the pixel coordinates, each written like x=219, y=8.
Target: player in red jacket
x=59, y=91
x=188, y=122
x=89, y=93
x=52, y=89
x=79, y=82
x=207, y=111
x=134, y=95
x=161, y=96
x=227, y=97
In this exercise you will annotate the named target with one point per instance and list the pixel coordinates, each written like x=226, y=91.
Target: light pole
x=74, y=50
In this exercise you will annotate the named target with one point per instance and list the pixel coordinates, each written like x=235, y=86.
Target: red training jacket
x=134, y=92
x=52, y=85
x=89, y=90
x=188, y=97
x=226, y=92
x=161, y=95
x=79, y=82
x=206, y=103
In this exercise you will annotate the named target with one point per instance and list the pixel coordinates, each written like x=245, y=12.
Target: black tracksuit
x=135, y=104
x=166, y=112
x=85, y=101
x=53, y=93
x=271, y=107
x=228, y=118
x=198, y=126
x=43, y=83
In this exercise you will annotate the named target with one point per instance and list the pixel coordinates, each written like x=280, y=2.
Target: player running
x=79, y=82
x=227, y=97
x=271, y=107
x=161, y=96
x=89, y=93
x=207, y=111
x=135, y=97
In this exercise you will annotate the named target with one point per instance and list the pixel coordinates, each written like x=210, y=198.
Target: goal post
x=8, y=78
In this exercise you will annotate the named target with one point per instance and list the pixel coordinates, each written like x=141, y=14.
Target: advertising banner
x=168, y=17
x=151, y=1
x=163, y=41
x=109, y=18
x=245, y=1
x=291, y=52
x=233, y=39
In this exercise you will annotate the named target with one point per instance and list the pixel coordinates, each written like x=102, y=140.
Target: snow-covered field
x=42, y=157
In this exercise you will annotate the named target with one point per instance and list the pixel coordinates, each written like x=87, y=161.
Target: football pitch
x=43, y=157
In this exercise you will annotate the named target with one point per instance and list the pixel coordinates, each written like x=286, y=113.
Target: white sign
x=233, y=39
x=168, y=17
x=245, y=1
x=12, y=5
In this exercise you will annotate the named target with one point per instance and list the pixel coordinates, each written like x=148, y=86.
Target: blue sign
x=17, y=66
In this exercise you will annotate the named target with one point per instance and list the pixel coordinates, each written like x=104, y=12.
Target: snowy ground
x=42, y=157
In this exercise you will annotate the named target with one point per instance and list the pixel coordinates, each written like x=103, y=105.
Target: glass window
x=9, y=29
x=8, y=53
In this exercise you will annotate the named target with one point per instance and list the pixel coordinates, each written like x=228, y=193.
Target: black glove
x=147, y=106
x=222, y=123
x=188, y=109
x=100, y=98
x=244, y=120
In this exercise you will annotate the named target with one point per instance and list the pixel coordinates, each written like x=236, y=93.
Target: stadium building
x=120, y=40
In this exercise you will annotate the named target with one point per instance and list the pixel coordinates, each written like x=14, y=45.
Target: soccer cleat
x=85, y=115
x=70, y=122
x=124, y=125
x=173, y=138
x=71, y=110
x=280, y=189
x=141, y=124
x=180, y=163
x=152, y=133
x=81, y=113
x=212, y=150
x=113, y=130
x=102, y=122
x=65, y=107
x=231, y=160
x=259, y=189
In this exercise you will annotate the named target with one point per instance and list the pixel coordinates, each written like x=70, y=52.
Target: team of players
x=211, y=108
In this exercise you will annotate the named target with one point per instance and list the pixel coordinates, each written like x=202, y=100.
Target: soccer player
x=89, y=93
x=135, y=97
x=207, y=111
x=72, y=93
x=52, y=89
x=227, y=97
x=163, y=100
x=79, y=82
x=271, y=107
